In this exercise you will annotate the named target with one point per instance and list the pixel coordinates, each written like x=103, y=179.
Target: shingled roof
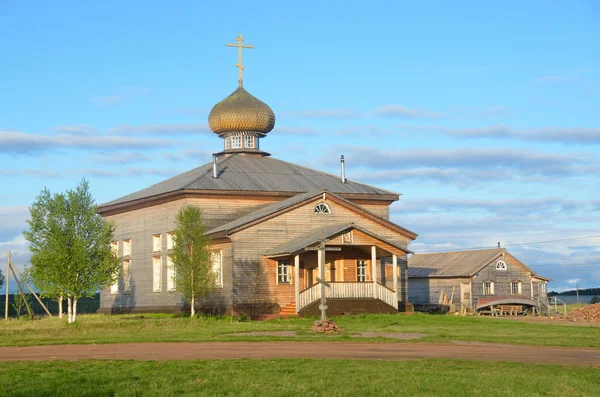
x=458, y=263
x=451, y=264
x=254, y=174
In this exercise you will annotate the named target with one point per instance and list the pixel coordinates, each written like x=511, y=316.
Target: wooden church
x=275, y=226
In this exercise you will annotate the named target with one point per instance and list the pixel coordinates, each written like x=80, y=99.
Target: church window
x=227, y=142
x=157, y=273
x=170, y=274
x=156, y=243
x=488, y=288
x=217, y=264
x=127, y=247
x=236, y=142
x=500, y=265
x=114, y=289
x=249, y=141
x=515, y=287
x=322, y=208
x=361, y=271
x=170, y=240
x=127, y=276
x=283, y=272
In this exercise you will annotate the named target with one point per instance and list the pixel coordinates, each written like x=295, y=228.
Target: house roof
x=317, y=235
x=457, y=264
x=273, y=209
x=254, y=174
x=450, y=264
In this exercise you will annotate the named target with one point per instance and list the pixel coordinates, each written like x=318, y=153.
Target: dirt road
x=323, y=350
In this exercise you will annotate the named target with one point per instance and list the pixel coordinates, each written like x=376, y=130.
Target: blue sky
x=486, y=117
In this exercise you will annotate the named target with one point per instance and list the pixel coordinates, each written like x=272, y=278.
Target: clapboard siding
x=140, y=225
x=428, y=290
x=502, y=279
x=251, y=244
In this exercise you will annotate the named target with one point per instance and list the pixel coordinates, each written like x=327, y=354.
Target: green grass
x=290, y=377
x=167, y=328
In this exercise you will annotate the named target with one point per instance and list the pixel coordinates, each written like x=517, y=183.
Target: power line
x=513, y=245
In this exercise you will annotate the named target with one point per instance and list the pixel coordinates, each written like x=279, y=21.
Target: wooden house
x=478, y=280
x=265, y=217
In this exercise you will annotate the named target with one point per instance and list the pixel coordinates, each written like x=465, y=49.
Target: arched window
x=500, y=265
x=322, y=208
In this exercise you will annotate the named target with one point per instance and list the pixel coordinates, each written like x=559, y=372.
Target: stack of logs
x=586, y=313
x=325, y=326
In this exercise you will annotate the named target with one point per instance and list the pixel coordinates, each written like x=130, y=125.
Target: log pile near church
x=586, y=313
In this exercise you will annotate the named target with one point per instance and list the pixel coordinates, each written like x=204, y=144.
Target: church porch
x=357, y=278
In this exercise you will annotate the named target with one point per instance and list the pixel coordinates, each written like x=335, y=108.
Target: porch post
x=374, y=269
x=323, y=305
x=395, y=272
x=297, y=279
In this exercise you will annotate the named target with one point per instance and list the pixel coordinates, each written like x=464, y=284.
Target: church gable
x=318, y=212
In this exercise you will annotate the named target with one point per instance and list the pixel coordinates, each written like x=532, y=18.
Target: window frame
x=518, y=284
x=157, y=242
x=502, y=266
x=227, y=142
x=361, y=264
x=234, y=140
x=283, y=272
x=171, y=275
x=327, y=210
x=488, y=291
x=218, y=274
x=249, y=139
x=157, y=275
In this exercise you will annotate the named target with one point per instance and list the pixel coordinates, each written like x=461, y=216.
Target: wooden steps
x=285, y=312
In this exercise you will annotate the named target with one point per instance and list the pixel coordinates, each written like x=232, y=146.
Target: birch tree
x=70, y=245
x=194, y=276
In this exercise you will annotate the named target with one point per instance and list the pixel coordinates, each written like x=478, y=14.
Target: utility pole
x=6, y=282
x=577, y=291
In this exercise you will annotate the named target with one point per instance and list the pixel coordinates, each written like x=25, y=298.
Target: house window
x=127, y=276
x=543, y=287
x=500, y=265
x=157, y=273
x=170, y=274
x=217, y=264
x=488, y=288
x=515, y=287
x=127, y=247
x=227, y=142
x=236, y=142
x=322, y=208
x=249, y=141
x=156, y=243
x=283, y=272
x=170, y=240
x=361, y=271
x=114, y=247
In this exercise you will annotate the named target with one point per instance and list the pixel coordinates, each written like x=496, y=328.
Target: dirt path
x=331, y=350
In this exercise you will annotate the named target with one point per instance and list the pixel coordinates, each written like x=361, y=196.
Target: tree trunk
x=193, y=308
x=69, y=309
x=60, y=308
x=74, y=309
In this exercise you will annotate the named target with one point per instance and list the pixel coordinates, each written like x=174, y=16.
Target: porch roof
x=314, y=237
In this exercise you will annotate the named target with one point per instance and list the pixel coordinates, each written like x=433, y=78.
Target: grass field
x=295, y=377
x=167, y=328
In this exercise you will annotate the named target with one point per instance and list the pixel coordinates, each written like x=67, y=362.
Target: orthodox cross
x=321, y=279
x=239, y=45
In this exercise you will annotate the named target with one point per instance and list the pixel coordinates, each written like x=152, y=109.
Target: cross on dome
x=239, y=45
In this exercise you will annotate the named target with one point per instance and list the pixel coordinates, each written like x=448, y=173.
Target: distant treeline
x=582, y=291
x=84, y=305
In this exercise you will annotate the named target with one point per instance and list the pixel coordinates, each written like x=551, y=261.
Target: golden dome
x=241, y=112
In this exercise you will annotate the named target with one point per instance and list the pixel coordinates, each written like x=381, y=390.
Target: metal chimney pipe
x=215, y=166
x=343, y=163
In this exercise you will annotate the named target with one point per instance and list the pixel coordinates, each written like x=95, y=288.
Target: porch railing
x=347, y=290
